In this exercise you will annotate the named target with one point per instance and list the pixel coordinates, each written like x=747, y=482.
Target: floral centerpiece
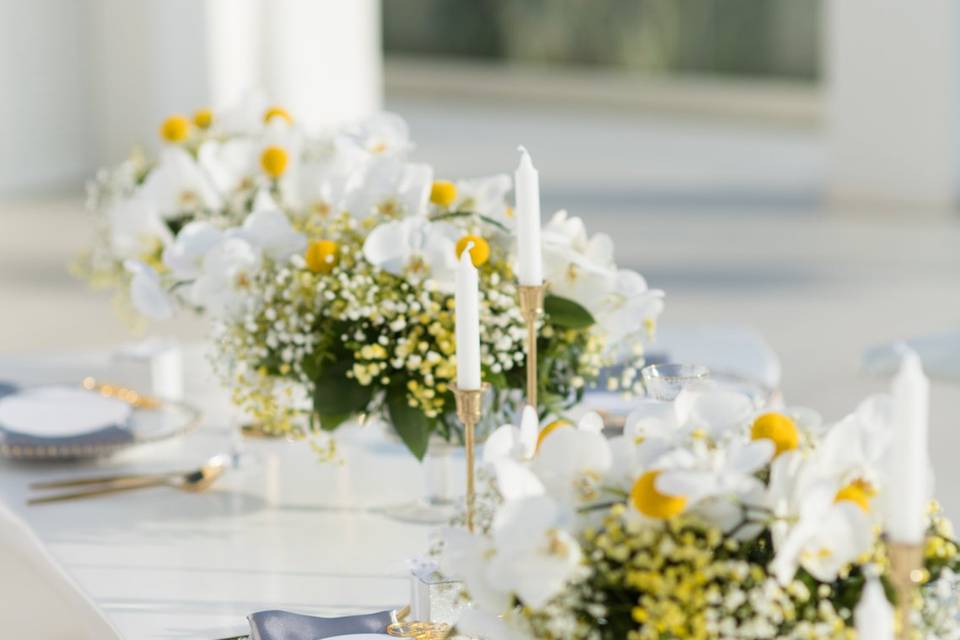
x=704, y=520
x=326, y=265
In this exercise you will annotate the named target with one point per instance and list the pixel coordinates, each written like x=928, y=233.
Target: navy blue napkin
x=108, y=435
x=284, y=625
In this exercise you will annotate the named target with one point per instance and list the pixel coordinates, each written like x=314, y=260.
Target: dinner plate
x=58, y=422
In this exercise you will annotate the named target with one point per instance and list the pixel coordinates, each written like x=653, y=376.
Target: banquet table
x=281, y=530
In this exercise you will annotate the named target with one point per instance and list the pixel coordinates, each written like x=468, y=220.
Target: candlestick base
x=469, y=411
x=531, y=306
x=531, y=300
x=906, y=567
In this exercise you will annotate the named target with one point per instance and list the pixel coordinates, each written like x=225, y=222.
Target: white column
x=235, y=45
x=149, y=60
x=322, y=58
x=44, y=113
x=893, y=101
x=319, y=58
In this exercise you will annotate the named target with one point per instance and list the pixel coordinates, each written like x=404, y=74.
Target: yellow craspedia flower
x=321, y=256
x=176, y=128
x=479, y=252
x=203, y=118
x=277, y=112
x=648, y=500
x=443, y=193
x=778, y=428
x=550, y=428
x=274, y=161
x=858, y=492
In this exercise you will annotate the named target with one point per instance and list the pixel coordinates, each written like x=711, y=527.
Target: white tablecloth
x=281, y=531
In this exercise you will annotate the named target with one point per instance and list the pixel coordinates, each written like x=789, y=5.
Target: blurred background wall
x=86, y=80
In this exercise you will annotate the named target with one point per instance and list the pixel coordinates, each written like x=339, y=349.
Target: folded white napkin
x=38, y=600
x=60, y=412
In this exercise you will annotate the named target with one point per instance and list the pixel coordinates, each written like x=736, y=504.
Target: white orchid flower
x=146, y=293
x=535, y=556
x=854, y=448
x=572, y=463
x=244, y=117
x=708, y=412
x=185, y=256
x=628, y=307
x=826, y=536
x=271, y=231
x=717, y=483
x=676, y=439
x=178, y=185
x=476, y=623
x=325, y=178
x=513, y=443
x=231, y=164
x=466, y=556
x=229, y=269
x=486, y=196
x=136, y=229
x=577, y=266
x=391, y=187
x=414, y=248
x=383, y=134
x=529, y=555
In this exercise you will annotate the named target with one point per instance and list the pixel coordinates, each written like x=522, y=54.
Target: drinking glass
x=666, y=381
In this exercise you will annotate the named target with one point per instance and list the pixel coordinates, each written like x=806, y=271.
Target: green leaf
x=337, y=397
x=566, y=313
x=412, y=426
x=331, y=422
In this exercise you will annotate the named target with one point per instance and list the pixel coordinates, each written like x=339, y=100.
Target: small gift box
x=435, y=598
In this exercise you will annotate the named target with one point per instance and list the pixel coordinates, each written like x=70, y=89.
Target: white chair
x=38, y=600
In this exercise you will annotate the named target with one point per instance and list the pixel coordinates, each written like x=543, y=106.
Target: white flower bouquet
x=706, y=520
x=326, y=262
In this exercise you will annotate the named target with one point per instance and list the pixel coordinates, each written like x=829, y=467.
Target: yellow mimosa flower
x=479, y=252
x=176, y=128
x=648, y=500
x=778, y=428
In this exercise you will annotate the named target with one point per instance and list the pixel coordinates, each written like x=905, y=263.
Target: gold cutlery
x=221, y=459
x=191, y=481
x=131, y=397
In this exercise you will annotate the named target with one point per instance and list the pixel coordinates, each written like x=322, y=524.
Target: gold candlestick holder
x=531, y=306
x=469, y=411
x=906, y=567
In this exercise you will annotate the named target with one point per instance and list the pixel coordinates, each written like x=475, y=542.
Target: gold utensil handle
x=113, y=487
x=82, y=482
x=130, y=396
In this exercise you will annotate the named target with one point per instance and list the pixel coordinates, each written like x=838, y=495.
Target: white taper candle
x=874, y=615
x=468, y=323
x=529, y=254
x=909, y=460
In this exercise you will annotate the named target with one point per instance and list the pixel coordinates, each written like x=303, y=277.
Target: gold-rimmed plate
x=162, y=420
